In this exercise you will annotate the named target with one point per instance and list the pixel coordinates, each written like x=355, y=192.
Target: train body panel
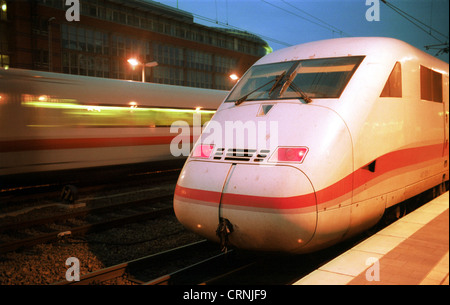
x=255, y=184
x=365, y=122
x=276, y=210
x=51, y=121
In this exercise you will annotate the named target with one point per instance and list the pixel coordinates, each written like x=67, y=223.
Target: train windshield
x=304, y=79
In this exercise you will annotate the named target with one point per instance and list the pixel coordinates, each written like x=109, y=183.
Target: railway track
x=102, y=224
x=202, y=266
x=208, y=266
x=19, y=193
x=143, y=270
x=37, y=234
x=206, y=271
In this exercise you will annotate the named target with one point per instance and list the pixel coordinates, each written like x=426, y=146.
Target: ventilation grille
x=243, y=155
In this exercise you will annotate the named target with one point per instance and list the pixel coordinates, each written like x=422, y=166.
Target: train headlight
x=203, y=151
x=289, y=154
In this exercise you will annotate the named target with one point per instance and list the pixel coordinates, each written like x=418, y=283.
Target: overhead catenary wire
x=227, y=25
x=421, y=25
x=442, y=48
x=319, y=22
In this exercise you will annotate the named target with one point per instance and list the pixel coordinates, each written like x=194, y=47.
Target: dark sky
x=289, y=22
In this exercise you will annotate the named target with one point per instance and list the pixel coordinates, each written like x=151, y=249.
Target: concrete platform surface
x=412, y=251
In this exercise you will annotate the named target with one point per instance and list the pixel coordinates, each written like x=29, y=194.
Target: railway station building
x=37, y=35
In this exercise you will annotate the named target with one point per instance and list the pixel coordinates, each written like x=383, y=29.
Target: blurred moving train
x=52, y=122
x=361, y=126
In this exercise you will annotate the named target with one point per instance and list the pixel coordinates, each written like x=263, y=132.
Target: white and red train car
x=53, y=122
x=359, y=126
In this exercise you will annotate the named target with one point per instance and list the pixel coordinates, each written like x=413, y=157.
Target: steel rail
x=78, y=231
x=82, y=213
x=140, y=263
x=208, y=270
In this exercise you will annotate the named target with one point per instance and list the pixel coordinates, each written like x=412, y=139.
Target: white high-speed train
x=315, y=143
x=52, y=122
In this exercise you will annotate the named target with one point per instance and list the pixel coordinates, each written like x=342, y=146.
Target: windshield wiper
x=276, y=80
x=290, y=83
x=304, y=96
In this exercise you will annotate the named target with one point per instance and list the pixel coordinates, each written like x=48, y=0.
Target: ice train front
x=251, y=181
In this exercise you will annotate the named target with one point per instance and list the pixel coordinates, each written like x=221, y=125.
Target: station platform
x=412, y=251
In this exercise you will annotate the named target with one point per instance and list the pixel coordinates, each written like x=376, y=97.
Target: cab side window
x=393, y=87
x=430, y=85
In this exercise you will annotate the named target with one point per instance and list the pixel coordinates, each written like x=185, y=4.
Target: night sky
x=284, y=23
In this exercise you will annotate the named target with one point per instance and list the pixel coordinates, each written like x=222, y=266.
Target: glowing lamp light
x=133, y=105
x=4, y=7
x=234, y=77
x=203, y=151
x=289, y=154
x=94, y=108
x=134, y=62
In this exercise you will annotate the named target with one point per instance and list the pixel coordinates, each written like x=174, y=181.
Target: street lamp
x=134, y=63
x=234, y=77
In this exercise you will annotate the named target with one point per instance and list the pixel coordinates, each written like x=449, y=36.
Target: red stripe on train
x=384, y=164
x=293, y=202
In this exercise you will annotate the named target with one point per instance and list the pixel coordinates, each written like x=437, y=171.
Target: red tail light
x=203, y=151
x=289, y=154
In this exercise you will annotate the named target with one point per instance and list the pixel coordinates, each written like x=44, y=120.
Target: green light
x=109, y=108
x=268, y=49
x=67, y=112
x=53, y=105
x=4, y=7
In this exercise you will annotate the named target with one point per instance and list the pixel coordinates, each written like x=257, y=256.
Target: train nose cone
x=270, y=208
